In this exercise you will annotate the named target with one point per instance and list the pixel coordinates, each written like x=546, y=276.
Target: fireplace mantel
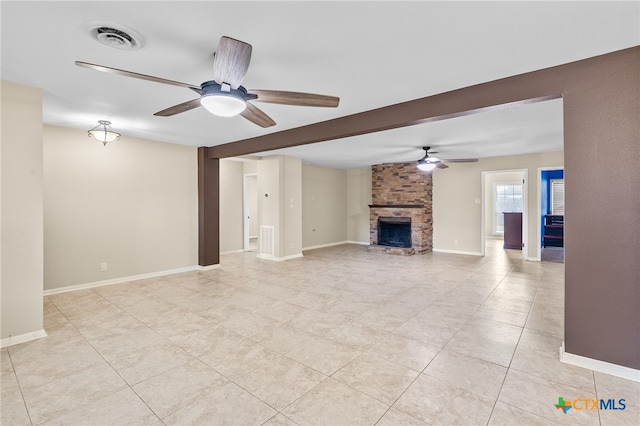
x=396, y=206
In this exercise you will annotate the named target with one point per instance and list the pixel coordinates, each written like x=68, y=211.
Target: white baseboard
x=232, y=251
x=599, y=366
x=26, y=337
x=119, y=280
x=209, y=267
x=279, y=259
x=324, y=245
x=362, y=243
x=467, y=253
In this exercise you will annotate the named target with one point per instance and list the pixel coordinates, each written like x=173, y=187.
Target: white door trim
x=538, y=239
x=245, y=211
x=525, y=208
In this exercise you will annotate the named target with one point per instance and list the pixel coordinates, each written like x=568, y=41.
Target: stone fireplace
x=400, y=216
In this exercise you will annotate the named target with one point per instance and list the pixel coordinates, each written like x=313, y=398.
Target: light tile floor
x=339, y=337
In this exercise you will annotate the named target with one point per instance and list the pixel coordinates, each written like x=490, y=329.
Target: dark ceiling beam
x=469, y=100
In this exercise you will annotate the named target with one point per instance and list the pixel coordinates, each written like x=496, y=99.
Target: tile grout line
x=15, y=374
x=106, y=362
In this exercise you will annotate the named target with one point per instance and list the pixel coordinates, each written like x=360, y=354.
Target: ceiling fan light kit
x=222, y=100
x=224, y=96
x=427, y=164
x=223, y=106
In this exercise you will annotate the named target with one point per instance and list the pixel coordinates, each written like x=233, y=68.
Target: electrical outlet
x=103, y=266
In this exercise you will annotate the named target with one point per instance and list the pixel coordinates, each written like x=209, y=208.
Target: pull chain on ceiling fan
x=224, y=95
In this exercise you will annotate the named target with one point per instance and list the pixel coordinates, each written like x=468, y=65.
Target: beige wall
x=291, y=208
x=269, y=196
x=250, y=167
x=358, y=200
x=324, y=205
x=457, y=191
x=231, y=229
x=281, y=178
x=132, y=204
x=21, y=213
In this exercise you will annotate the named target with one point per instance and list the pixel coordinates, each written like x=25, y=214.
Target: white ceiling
x=370, y=54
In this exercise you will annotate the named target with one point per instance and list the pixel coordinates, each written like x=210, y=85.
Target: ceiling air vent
x=118, y=37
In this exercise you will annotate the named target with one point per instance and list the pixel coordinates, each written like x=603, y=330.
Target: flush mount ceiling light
x=103, y=132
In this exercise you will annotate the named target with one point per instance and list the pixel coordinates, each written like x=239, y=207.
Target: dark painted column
x=602, y=210
x=208, y=209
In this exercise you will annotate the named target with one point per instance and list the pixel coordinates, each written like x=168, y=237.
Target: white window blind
x=557, y=196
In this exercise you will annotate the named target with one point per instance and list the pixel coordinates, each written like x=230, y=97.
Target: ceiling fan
x=427, y=163
x=224, y=96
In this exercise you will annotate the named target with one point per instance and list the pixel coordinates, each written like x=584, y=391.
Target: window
x=507, y=197
x=557, y=196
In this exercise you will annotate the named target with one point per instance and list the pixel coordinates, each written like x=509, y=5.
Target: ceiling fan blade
x=136, y=75
x=257, y=116
x=231, y=61
x=296, y=98
x=177, y=109
x=442, y=166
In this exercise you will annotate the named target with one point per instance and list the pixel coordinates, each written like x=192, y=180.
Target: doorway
x=550, y=232
x=250, y=212
x=505, y=191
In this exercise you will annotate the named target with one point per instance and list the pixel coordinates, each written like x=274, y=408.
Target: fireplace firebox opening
x=394, y=231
